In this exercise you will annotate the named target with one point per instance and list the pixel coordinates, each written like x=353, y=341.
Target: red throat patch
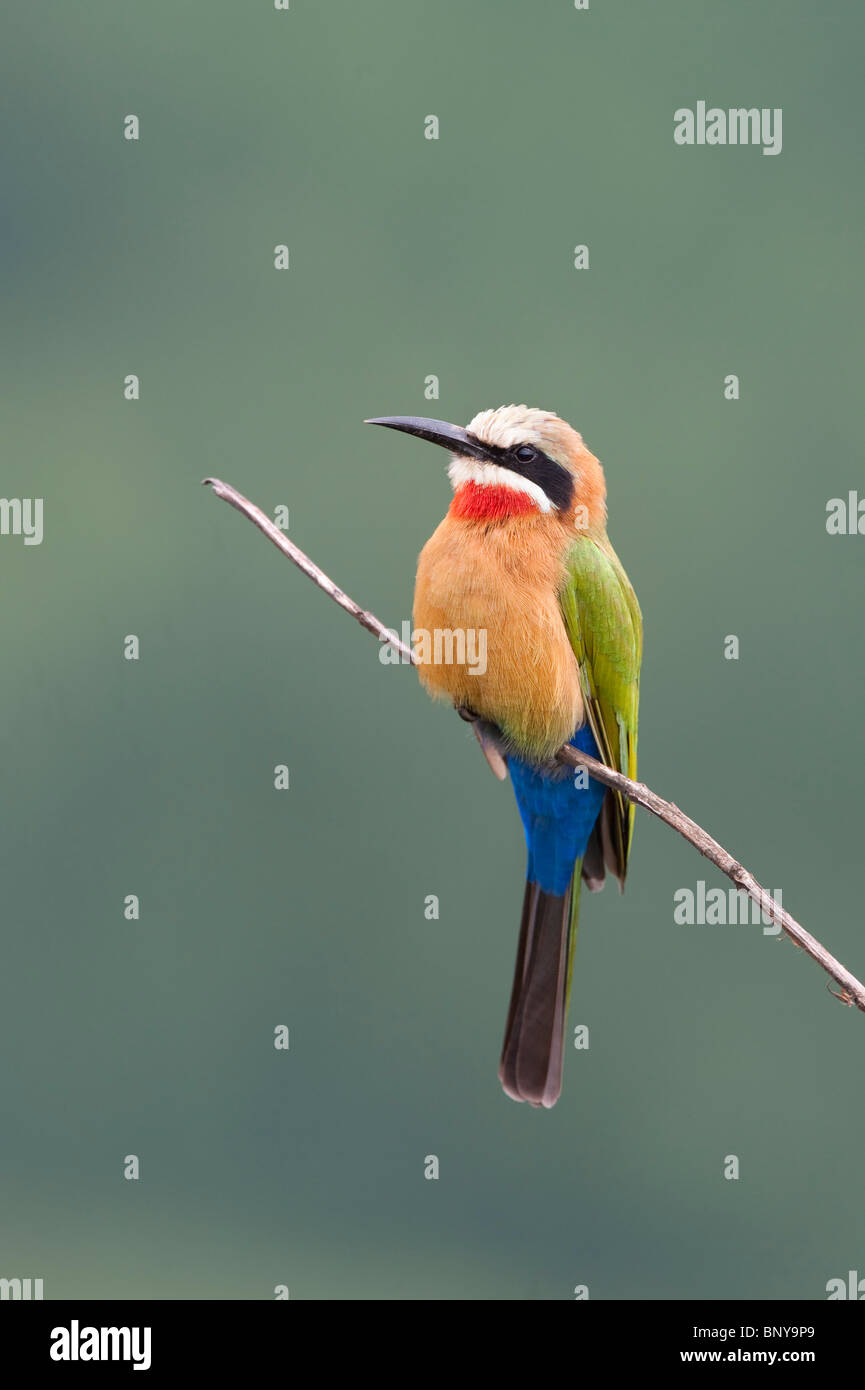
x=479, y=502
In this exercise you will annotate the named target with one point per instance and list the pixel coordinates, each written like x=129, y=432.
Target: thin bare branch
x=851, y=991
x=236, y=499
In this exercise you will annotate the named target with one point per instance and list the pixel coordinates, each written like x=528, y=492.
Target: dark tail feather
x=534, y=1046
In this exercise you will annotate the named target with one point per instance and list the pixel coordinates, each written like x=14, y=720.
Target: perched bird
x=523, y=555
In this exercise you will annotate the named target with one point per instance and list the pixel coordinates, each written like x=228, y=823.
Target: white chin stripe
x=463, y=470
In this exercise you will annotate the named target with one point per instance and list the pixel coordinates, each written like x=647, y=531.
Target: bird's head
x=513, y=461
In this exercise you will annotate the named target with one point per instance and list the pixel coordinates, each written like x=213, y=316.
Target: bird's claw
x=843, y=995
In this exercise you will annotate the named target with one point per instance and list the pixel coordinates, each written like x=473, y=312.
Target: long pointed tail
x=534, y=1046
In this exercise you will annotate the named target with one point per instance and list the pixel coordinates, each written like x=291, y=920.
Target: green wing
x=603, y=620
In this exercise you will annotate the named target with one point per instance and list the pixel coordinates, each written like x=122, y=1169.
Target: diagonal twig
x=242, y=504
x=851, y=991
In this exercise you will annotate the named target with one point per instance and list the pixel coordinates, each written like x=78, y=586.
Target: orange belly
x=501, y=581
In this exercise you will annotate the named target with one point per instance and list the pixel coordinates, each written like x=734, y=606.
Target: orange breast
x=501, y=580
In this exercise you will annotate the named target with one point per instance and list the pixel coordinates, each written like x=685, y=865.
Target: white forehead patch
x=466, y=470
x=514, y=424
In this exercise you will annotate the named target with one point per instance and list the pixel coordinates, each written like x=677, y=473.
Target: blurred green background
x=412, y=257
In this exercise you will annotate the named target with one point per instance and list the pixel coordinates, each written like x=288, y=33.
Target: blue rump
x=558, y=817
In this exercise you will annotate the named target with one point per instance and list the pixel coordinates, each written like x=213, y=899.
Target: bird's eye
x=525, y=453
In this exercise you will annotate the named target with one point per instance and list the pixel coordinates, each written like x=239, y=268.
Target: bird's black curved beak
x=450, y=437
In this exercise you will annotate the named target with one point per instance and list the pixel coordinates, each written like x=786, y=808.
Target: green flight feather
x=605, y=627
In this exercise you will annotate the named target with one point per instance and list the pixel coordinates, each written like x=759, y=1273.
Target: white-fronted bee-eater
x=523, y=556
